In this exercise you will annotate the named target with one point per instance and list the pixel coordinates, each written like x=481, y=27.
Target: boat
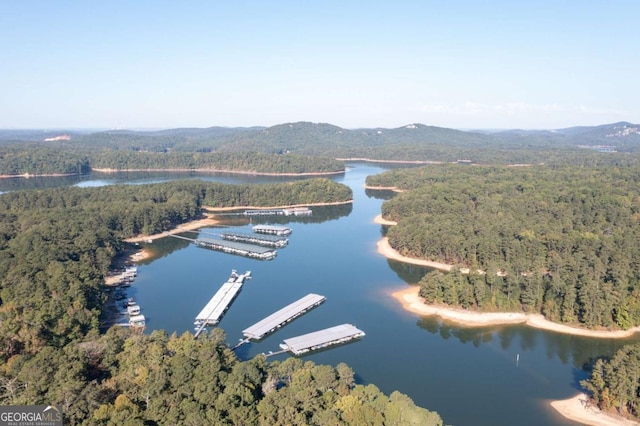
x=133, y=310
x=137, y=321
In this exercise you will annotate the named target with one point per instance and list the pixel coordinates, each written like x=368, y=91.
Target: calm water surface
x=469, y=376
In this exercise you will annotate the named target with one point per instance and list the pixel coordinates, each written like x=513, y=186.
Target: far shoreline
x=209, y=219
x=237, y=172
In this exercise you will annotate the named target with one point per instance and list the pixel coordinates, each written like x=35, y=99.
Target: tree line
x=558, y=241
x=614, y=383
x=45, y=159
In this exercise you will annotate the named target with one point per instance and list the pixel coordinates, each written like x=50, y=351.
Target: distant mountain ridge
x=409, y=142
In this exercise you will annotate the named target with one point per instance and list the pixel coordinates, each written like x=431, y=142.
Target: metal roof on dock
x=268, y=240
x=284, y=315
x=213, y=311
x=265, y=237
x=322, y=338
x=235, y=245
x=272, y=229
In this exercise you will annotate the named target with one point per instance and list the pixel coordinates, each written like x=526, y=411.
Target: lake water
x=469, y=376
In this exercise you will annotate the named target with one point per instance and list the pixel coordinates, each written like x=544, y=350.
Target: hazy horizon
x=462, y=65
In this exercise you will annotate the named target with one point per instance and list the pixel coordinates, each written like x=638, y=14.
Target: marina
x=213, y=311
x=321, y=339
x=272, y=229
x=274, y=241
x=276, y=320
x=233, y=247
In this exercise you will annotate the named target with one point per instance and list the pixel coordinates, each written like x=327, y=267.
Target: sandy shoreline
x=387, y=251
x=575, y=408
x=235, y=172
x=412, y=302
x=226, y=209
x=578, y=409
x=208, y=220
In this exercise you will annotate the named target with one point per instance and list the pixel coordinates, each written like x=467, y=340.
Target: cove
x=499, y=375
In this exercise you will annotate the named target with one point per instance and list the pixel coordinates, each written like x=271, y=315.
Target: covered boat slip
x=213, y=311
x=321, y=339
x=277, y=241
x=272, y=229
x=283, y=316
x=249, y=250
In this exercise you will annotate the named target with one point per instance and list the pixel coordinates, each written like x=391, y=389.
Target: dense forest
x=559, y=241
x=56, y=246
x=614, y=383
x=36, y=158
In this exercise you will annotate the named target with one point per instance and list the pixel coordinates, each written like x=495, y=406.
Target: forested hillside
x=560, y=241
x=36, y=158
x=309, y=146
x=55, y=248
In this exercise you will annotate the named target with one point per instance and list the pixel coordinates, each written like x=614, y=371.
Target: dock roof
x=264, y=237
x=213, y=311
x=235, y=245
x=284, y=315
x=322, y=338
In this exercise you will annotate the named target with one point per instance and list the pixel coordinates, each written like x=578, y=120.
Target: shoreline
x=385, y=249
x=188, y=226
x=237, y=172
x=411, y=301
x=578, y=409
x=29, y=175
x=226, y=209
x=210, y=219
x=371, y=160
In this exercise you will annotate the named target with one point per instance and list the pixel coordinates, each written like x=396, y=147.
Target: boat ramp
x=213, y=311
x=274, y=241
x=321, y=339
x=272, y=229
x=276, y=320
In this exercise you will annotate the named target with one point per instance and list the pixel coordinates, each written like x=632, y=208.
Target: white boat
x=137, y=321
x=133, y=310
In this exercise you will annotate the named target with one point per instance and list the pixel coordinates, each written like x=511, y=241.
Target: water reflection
x=94, y=179
x=379, y=194
x=408, y=273
x=577, y=351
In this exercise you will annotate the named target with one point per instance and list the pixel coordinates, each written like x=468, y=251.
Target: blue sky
x=459, y=64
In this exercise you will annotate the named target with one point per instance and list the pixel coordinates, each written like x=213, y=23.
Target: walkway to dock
x=276, y=320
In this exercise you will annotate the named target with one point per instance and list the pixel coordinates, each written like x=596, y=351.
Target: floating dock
x=291, y=211
x=274, y=241
x=321, y=339
x=232, y=247
x=276, y=320
x=272, y=229
x=213, y=311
